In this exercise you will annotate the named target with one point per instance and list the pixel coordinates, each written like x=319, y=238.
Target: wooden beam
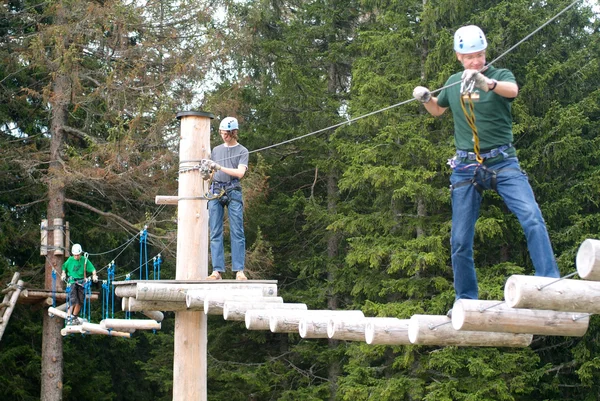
x=588, y=260
x=339, y=328
x=497, y=316
x=9, y=309
x=195, y=298
x=287, y=321
x=158, y=291
x=235, y=310
x=257, y=319
x=213, y=304
x=125, y=324
x=387, y=331
x=134, y=305
x=545, y=293
x=154, y=315
x=438, y=330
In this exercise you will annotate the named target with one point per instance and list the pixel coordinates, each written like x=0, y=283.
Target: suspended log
x=91, y=328
x=148, y=291
x=347, y=329
x=65, y=331
x=314, y=326
x=57, y=312
x=588, y=260
x=236, y=311
x=387, y=331
x=546, y=293
x=195, y=298
x=257, y=319
x=287, y=321
x=497, y=316
x=154, y=315
x=9, y=309
x=125, y=324
x=126, y=290
x=213, y=304
x=438, y=330
x=134, y=305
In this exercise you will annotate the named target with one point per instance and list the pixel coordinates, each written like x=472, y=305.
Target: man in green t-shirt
x=76, y=270
x=485, y=157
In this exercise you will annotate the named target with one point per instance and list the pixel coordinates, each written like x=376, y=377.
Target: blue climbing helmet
x=469, y=39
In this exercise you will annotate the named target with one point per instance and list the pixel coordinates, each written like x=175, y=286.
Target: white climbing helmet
x=76, y=249
x=469, y=39
x=228, y=124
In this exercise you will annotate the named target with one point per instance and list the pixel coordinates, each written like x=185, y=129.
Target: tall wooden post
x=189, y=370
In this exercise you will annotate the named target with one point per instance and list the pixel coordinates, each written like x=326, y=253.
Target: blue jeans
x=235, y=210
x=513, y=186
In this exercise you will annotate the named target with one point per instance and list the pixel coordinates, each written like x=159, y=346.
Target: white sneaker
x=214, y=276
x=240, y=276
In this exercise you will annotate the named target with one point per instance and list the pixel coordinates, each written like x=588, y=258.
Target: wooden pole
x=190, y=342
x=340, y=328
x=387, y=331
x=236, y=311
x=497, y=316
x=438, y=330
x=11, y=306
x=588, y=260
x=125, y=324
x=546, y=293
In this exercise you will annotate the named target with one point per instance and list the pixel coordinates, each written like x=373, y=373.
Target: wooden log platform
x=175, y=290
x=236, y=310
x=546, y=293
x=497, y=316
x=438, y=330
x=387, y=331
x=588, y=260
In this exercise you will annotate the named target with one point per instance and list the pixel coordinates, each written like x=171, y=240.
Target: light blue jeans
x=513, y=186
x=235, y=210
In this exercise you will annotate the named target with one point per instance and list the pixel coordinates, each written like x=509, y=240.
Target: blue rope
x=143, y=252
x=157, y=262
x=87, y=303
x=111, y=279
x=53, y=288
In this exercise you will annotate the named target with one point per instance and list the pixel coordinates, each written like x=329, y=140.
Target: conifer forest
x=346, y=200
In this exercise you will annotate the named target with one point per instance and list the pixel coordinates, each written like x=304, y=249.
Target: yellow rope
x=470, y=116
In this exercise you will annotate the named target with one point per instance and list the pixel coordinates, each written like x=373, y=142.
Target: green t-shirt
x=493, y=116
x=74, y=268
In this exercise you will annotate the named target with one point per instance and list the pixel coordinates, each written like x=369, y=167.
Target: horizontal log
x=65, y=331
x=154, y=315
x=588, y=260
x=545, y=293
x=387, y=331
x=134, y=305
x=166, y=200
x=315, y=326
x=125, y=324
x=287, y=321
x=497, y=316
x=176, y=292
x=347, y=329
x=438, y=330
x=195, y=298
x=236, y=311
x=213, y=304
x=57, y=312
x=257, y=319
x=126, y=290
x=91, y=328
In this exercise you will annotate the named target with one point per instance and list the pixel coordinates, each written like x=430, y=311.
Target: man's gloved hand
x=480, y=80
x=63, y=276
x=422, y=94
x=95, y=278
x=214, y=166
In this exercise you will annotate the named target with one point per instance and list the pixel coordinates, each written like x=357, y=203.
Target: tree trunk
x=52, y=347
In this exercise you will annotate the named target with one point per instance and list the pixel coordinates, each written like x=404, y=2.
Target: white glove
x=480, y=80
x=95, y=278
x=214, y=165
x=422, y=94
x=63, y=276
